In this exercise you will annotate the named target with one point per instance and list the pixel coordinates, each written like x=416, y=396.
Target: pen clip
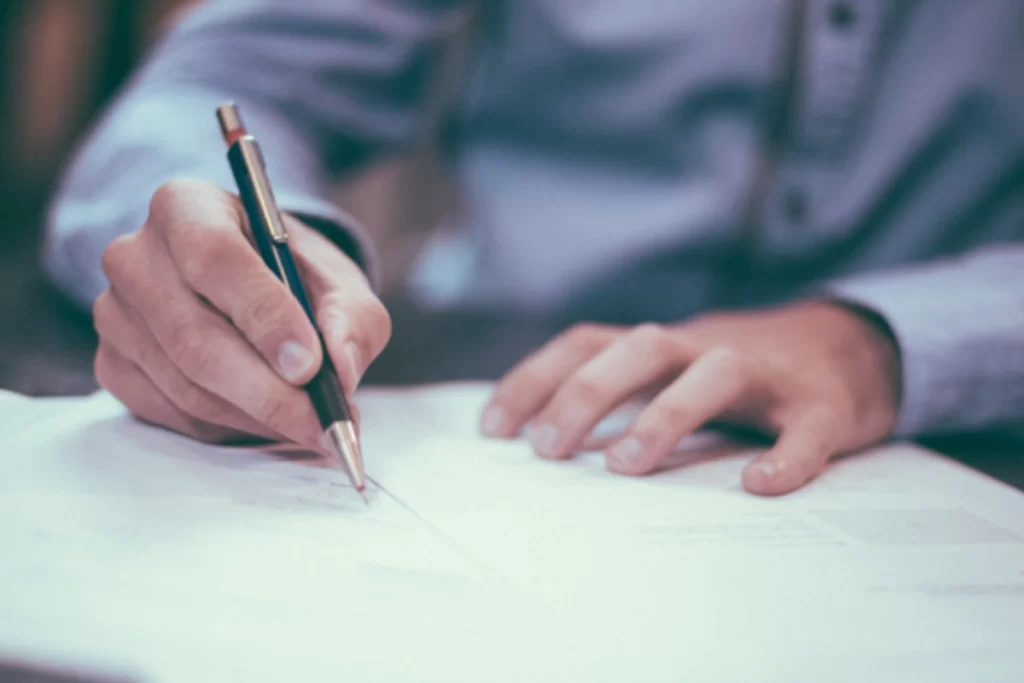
x=242, y=143
x=264, y=196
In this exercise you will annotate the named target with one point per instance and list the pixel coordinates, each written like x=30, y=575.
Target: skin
x=198, y=336
x=816, y=375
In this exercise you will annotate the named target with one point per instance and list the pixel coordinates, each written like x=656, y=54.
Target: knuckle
x=583, y=335
x=118, y=257
x=169, y=196
x=731, y=364
x=585, y=391
x=652, y=339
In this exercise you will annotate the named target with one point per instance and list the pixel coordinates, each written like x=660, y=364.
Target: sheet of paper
x=896, y=565
x=144, y=552
x=150, y=554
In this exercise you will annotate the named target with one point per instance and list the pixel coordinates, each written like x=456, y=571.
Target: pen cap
x=231, y=125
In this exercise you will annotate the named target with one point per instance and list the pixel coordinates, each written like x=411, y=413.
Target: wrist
x=873, y=349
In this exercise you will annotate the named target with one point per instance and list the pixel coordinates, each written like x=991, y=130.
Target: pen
x=325, y=391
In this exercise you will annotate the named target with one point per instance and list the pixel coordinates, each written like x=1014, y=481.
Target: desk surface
x=46, y=349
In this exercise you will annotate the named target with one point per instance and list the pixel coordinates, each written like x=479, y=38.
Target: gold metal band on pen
x=234, y=132
x=261, y=189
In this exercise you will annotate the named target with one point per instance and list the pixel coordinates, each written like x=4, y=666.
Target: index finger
x=530, y=384
x=801, y=452
x=215, y=259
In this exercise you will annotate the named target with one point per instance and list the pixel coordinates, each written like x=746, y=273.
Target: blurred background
x=60, y=62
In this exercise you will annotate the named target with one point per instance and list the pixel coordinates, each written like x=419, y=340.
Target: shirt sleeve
x=322, y=85
x=959, y=324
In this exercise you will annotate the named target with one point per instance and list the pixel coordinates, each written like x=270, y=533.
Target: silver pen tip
x=342, y=436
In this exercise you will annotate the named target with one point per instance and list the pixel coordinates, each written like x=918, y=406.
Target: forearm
x=136, y=149
x=322, y=85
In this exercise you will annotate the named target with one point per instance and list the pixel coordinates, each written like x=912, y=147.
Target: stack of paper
x=131, y=550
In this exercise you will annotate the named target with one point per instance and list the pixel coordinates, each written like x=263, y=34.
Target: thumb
x=800, y=454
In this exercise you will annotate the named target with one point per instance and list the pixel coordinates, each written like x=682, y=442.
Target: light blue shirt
x=632, y=161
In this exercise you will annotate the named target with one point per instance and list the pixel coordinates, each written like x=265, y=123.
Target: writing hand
x=198, y=335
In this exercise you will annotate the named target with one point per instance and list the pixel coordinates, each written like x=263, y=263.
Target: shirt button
x=841, y=15
x=794, y=205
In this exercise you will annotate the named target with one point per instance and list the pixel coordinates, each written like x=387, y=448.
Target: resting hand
x=820, y=377
x=198, y=335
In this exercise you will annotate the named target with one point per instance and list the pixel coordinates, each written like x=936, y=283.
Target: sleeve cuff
x=956, y=342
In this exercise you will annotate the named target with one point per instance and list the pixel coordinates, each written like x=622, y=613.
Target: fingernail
x=294, y=361
x=627, y=452
x=764, y=469
x=492, y=421
x=544, y=439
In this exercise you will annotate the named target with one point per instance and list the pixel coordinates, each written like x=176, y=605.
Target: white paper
x=135, y=550
x=898, y=564
x=144, y=552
